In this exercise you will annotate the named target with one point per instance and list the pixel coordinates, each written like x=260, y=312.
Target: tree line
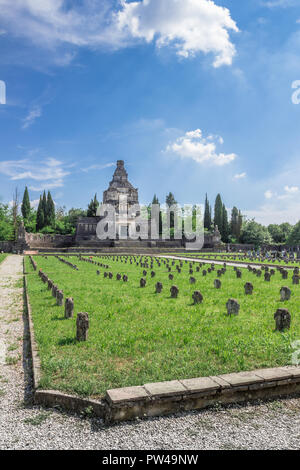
x=48, y=218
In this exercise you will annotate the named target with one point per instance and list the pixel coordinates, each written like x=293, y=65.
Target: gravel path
x=272, y=425
x=213, y=261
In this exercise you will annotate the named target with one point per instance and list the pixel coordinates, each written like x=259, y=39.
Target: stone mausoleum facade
x=124, y=199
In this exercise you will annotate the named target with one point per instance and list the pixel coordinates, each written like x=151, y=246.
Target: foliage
x=50, y=211
x=218, y=212
x=207, y=214
x=280, y=233
x=294, y=238
x=256, y=234
x=92, y=207
x=6, y=223
x=40, y=216
x=25, y=207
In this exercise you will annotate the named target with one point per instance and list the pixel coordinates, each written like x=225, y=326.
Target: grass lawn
x=234, y=258
x=2, y=257
x=137, y=336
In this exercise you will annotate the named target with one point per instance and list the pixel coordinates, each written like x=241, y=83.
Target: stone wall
x=36, y=240
x=7, y=247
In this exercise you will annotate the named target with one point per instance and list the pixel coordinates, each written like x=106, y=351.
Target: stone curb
x=161, y=398
x=175, y=396
x=36, y=366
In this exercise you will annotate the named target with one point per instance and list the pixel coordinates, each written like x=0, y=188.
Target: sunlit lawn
x=137, y=336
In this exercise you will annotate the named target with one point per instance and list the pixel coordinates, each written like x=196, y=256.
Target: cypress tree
x=207, y=214
x=40, y=218
x=171, y=201
x=50, y=211
x=92, y=207
x=225, y=225
x=155, y=199
x=240, y=224
x=218, y=215
x=25, y=208
x=234, y=222
x=44, y=207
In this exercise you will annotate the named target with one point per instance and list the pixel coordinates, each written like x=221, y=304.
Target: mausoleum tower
x=120, y=187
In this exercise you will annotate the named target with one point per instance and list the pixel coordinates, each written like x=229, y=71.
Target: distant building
x=131, y=231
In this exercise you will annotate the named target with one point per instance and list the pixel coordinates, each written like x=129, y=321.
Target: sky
x=196, y=96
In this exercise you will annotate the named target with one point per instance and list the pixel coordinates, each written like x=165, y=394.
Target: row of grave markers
x=282, y=316
x=82, y=319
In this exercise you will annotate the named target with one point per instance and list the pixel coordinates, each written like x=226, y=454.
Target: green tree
x=234, y=222
x=207, y=214
x=218, y=213
x=294, y=237
x=6, y=223
x=44, y=206
x=155, y=199
x=225, y=225
x=50, y=212
x=280, y=233
x=25, y=207
x=256, y=234
x=74, y=215
x=92, y=207
x=30, y=222
x=171, y=201
x=40, y=217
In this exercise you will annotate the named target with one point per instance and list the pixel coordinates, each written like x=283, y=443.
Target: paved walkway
x=273, y=425
x=210, y=261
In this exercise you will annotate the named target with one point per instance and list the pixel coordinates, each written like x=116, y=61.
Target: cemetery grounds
x=137, y=336
x=238, y=257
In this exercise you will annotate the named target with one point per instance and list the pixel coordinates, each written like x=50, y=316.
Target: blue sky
x=194, y=95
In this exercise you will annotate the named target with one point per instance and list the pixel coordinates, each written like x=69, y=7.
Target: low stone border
x=161, y=398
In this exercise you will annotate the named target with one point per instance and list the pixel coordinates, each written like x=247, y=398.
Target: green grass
x=37, y=420
x=238, y=257
x=2, y=257
x=137, y=336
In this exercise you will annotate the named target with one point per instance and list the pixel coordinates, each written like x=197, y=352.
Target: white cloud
x=272, y=214
x=50, y=173
x=240, y=176
x=33, y=114
x=291, y=189
x=190, y=26
x=280, y=3
x=35, y=203
x=268, y=194
x=279, y=206
x=200, y=149
x=97, y=167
